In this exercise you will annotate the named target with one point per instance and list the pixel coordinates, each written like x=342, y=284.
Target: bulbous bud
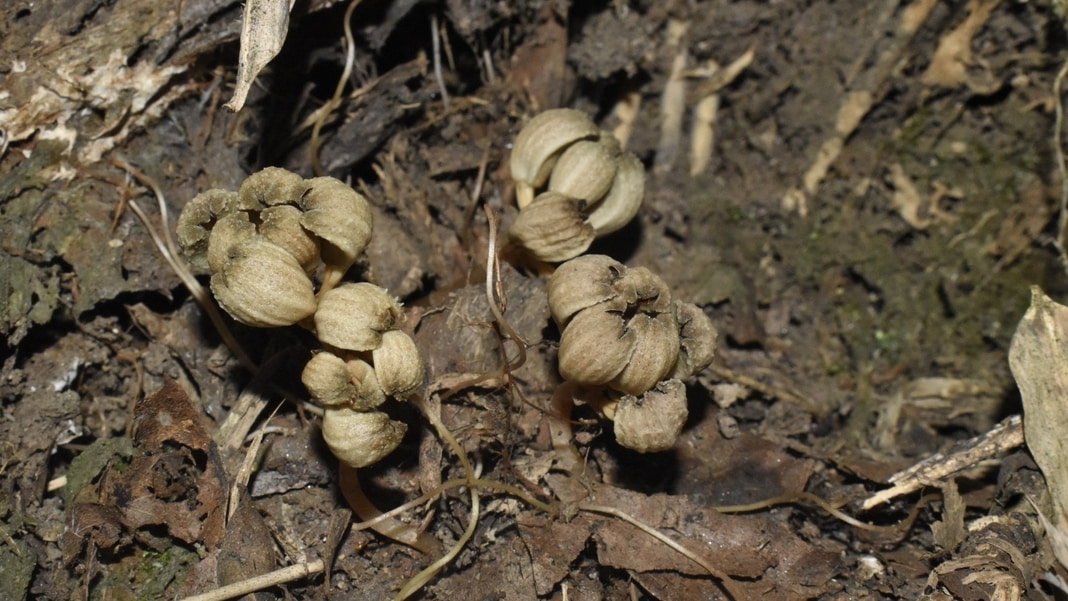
x=334, y=382
x=262, y=285
x=360, y=438
x=552, y=228
x=656, y=350
x=281, y=225
x=653, y=421
x=338, y=215
x=398, y=364
x=698, y=340
x=623, y=199
x=354, y=316
x=596, y=345
x=272, y=186
x=580, y=283
x=584, y=171
x=539, y=144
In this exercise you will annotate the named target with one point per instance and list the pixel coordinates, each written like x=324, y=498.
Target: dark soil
x=865, y=307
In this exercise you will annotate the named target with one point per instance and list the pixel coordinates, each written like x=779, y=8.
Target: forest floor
x=878, y=195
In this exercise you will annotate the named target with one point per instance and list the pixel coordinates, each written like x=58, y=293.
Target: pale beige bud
x=596, y=345
x=354, y=316
x=580, y=283
x=197, y=219
x=584, y=171
x=644, y=291
x=398, y=364
x=360, y=438
x=272, y=186
x=623, y=199
x=262, y=285
x=540, y=142
x=281, y=225
x=230, y=230
x=334, y=382
x=552, y=228
x=656, y=350
x=340, y=216
x=653, y=421
x=698, y=336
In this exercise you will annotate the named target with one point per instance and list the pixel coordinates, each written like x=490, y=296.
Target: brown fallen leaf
x=174, y=479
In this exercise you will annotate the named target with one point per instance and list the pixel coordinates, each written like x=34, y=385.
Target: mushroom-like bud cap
x=262, y=285
x=656, y=350
x=340, y=216
x=644, y=290
x=398, y=364
x=539, y=143
x=596, y=345
x=360, y=438
x=333, y=382
x=624, y=198
x=580, y=283
x=272, y=186
x=229, y=231
x=584, y=171
x=698, y=340
x=552, y=228
x=653, y=421
x=281, y=225
x=197, y=220
x=354, y=316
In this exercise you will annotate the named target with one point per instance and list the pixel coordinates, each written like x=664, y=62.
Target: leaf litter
x=869, y=311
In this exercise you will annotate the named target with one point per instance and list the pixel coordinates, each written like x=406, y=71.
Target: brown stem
x=388, y=527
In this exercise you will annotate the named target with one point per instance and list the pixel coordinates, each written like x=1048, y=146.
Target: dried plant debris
x=860, y=220
x=173, y=478
x=758, y=549
x=1038, y=356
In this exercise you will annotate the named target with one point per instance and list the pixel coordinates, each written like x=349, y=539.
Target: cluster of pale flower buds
x=591, y=187
x=627, y=346
x=265, y=247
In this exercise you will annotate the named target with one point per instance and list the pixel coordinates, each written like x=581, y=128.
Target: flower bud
x=653, y=421
x=552, y=228
x=398, y=364
x=656, y=350
x=281, y=225
x=341, y=217
x=540, y=142
x=354, y=316
x=271, y=186
x=623, y=199
x=260, y=284
x=360, y=438
x=333, y=382
x=580, y=283
x=596, y=345
x=584, y=171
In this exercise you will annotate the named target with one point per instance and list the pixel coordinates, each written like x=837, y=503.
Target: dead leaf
x=949, y=531
x=175, y=480
x=1037, y=357
x=262, y=33
x=953, y=60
